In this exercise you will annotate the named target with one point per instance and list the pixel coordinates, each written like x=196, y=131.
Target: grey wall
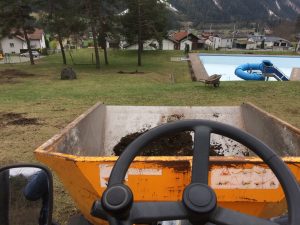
x=277, y=134
x=85, y=135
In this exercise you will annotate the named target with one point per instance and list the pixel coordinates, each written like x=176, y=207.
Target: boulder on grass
x=67, y=74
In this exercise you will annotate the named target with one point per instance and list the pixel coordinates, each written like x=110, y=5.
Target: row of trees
x=136, y=20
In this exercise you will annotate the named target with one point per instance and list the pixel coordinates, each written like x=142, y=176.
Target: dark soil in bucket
x=180, y=144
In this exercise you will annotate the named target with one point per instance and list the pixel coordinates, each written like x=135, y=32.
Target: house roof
x=240, y=35
x=273, y=39
x=224, y=36
x=171, y=38
x=256, y=38
x=242, y=42
x=267, y=38
x=20, y=37
x=181, y=35
x=36, y=35
x=206, y=34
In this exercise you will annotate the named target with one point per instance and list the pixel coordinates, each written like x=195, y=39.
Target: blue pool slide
x=259, y=71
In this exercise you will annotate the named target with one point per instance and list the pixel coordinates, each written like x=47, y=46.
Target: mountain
x=224, y=11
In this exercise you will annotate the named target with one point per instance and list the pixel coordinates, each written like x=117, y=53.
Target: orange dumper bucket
x=82, y=156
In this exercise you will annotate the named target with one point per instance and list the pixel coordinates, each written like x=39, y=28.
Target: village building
x=147, y=45
x=168, y=44
x=206, y=35
x=152, y=44
x=183, y=38
x=277, y=42
x=270, y=42
x=209, y=43
x=17, y=43
x=222, y=41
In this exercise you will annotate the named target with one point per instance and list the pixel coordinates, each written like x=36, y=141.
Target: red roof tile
x=36, y=35
x=180, y=35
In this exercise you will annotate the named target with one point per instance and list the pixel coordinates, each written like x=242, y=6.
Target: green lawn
x=55, y=102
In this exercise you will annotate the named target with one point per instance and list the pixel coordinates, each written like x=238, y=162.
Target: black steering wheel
x=199, y=201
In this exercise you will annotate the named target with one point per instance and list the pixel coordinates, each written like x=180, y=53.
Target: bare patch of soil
x=12, y=116
x=131, y=72
x=24, y=121
x=10, y=75
x=15, y=73
x=17, y=119
x=179, y=144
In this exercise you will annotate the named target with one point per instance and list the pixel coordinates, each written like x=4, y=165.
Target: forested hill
x=205, y=11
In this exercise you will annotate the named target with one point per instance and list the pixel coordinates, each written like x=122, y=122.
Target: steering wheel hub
x=199, y=198
x=117, y=198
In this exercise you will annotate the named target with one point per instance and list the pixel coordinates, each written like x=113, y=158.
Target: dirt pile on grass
x=131, y=72
x=179, y=144
x=17, y=119
x=11, y=75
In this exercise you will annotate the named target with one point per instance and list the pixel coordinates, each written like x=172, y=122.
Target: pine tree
x=17, y=19
x=144, y=20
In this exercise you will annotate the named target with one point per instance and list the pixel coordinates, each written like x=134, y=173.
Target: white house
x=269, y=41
x=277, y=42
x=185, y=42
x=209, y=42
x=168, y=44
x=251, y=45
x=152, y=44
x=222, y=42
x=183, y=38
x=14, y=43
x=37, y=39
x=148, y=45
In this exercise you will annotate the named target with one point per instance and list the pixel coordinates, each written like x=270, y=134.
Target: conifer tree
x=16, y=19
x=144, y=20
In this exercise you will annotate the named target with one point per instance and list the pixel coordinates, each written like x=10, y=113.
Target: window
x=12, y=45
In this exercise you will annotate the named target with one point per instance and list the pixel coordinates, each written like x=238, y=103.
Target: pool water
x=226, y=64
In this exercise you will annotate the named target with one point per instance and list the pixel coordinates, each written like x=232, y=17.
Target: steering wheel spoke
x=114, y=221
x=229, y=217
x=148, y=212
x=201, y=155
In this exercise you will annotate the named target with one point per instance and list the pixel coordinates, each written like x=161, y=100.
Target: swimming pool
x=226, y=64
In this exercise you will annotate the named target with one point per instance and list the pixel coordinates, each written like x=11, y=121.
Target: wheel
x=199, y=201
x=217, y=84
